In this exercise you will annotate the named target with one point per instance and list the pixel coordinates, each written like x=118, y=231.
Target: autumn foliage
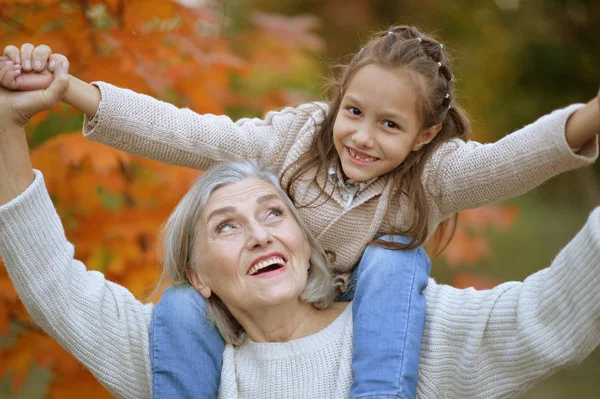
x=112, y=203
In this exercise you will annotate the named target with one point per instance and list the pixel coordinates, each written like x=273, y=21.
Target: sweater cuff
x=585, y=155
x=89, y=124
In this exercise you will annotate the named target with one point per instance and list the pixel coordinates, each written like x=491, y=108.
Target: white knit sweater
x=459, y=175
x=476, y=344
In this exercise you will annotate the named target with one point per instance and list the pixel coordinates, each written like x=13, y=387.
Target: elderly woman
x=237, y=239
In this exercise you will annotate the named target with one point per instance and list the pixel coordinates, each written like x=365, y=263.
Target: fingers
x=39, y=57
x=13, y=53
x=57, y=89
x=54, y=60
x=26, y=52
x=9, y=72
x=30, y=57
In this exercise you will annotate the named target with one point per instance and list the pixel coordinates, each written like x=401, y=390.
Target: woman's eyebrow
x=266, y=198
x=218, y=211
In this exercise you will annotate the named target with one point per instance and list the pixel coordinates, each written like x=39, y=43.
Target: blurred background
x=514, y=62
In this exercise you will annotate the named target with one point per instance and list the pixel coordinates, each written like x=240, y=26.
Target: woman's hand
x=17, y=107
x=37, y=65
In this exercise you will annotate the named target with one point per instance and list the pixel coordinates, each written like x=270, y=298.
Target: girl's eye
x=390, y=125
x=354, y=111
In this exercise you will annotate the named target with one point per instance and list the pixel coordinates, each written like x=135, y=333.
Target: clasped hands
x=28, y=87
x=16, y=108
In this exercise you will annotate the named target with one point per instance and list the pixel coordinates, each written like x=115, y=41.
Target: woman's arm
x=99, y=322
x=468, y=175
x=498, y=342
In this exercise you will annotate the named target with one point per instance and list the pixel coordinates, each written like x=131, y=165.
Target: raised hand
x=17, y=107
x=36, y=63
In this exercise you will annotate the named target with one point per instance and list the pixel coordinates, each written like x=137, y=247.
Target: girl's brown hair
x=406, y=48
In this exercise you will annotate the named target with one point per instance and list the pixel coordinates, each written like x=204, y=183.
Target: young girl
x=388, y=155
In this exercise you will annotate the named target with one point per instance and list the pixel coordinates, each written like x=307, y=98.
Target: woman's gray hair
x=179, y=236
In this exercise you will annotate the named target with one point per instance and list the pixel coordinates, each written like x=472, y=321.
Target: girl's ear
x=198, y=283
x=426, y=136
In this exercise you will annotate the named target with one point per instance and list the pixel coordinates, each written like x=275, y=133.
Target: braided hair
x=406, y=48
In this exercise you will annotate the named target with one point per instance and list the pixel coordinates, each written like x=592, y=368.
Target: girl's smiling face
x=377, y=124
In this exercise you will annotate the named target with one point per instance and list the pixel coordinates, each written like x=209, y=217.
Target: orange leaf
x=79, y=385
x=465, y=280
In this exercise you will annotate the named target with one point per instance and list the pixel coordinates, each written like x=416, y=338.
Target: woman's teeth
x=266, y=263
x=359, y=157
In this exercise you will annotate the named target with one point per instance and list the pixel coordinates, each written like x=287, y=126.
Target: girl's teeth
x=364, y=159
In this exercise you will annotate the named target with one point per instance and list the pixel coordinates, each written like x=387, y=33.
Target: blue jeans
x=389, y=317
x=186, y=348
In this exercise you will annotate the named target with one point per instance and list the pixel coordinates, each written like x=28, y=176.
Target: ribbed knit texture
x=476, y=344
x=459, y=176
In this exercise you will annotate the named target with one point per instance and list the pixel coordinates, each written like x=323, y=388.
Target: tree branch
x=88, y=22
x=18, y=26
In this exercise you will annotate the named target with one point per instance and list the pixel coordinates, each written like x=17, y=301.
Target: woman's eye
x=390, y=125
x=273, y=213
x=354, y=111
x=224, y=227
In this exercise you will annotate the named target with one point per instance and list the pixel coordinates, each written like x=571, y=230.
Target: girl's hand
x=37, y=65
x=584, y=124
x=17, y=107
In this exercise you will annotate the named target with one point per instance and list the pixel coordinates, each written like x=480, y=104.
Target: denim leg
x=185, y=347
x=389, y=318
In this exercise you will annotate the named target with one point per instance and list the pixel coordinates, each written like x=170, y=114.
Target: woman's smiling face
x=250, y=250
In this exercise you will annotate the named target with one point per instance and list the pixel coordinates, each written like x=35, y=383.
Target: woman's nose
x=258, y=236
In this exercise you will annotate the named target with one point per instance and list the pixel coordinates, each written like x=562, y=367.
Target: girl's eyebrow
x=383, y=114
x=394, y=115
x=351, y=98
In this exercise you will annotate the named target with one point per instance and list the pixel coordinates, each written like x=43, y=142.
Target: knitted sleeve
x=497, y=343
x=468, y=175
x=99, y=322
x=142, y=125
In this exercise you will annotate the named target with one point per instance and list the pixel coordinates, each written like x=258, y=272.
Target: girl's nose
x=362, y=138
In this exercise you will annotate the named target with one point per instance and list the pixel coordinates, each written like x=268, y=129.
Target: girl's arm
x=142, y=125
x=468, y=175
x=498, y=342
x=153, y=129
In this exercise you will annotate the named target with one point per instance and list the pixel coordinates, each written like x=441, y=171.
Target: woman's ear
x=426, y=136
x=198, y=283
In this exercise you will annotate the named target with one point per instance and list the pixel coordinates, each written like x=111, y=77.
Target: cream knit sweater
x=460, y=175
x=476, y=344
